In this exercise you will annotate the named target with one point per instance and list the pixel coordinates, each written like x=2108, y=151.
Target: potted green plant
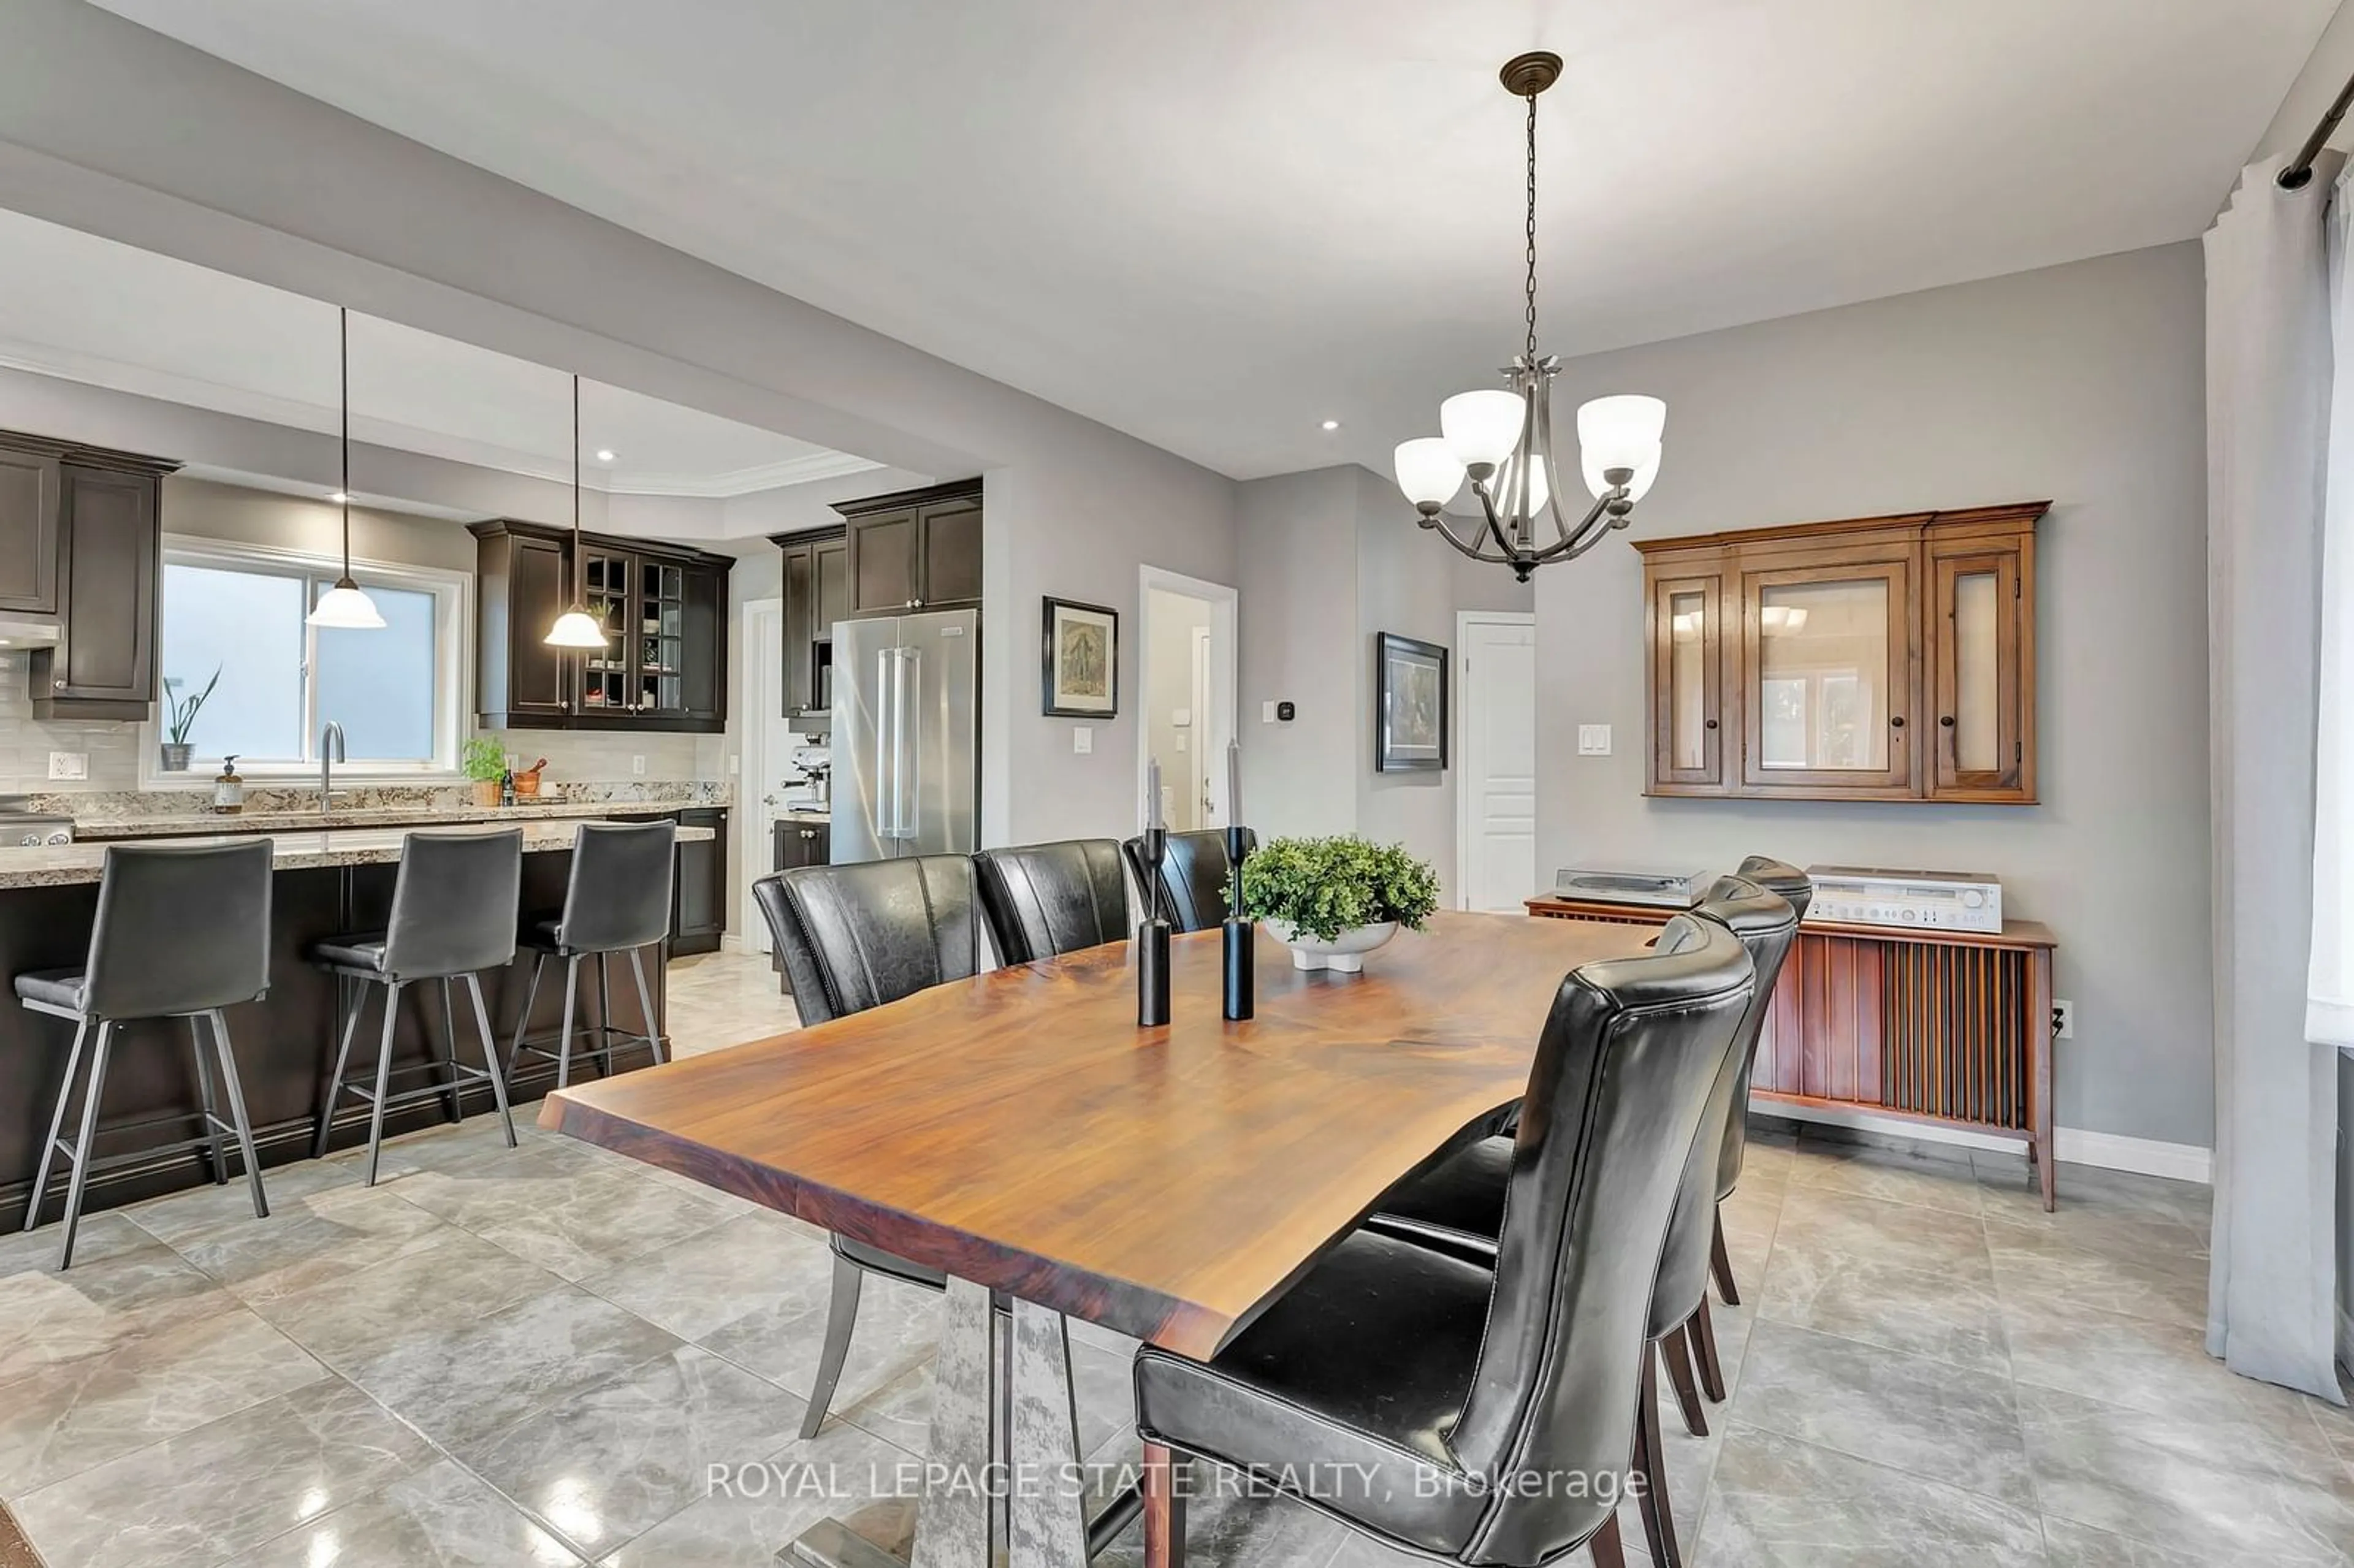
x=484, y=761
x=181, y=718
x=1333, y=900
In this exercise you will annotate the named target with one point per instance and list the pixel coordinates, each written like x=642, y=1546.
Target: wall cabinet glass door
x=660, y=633
x=605, y=589
x=1885, y=658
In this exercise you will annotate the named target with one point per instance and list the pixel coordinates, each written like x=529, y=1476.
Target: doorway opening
x=1186, y=676
x=765, y=769
x=1496, y=748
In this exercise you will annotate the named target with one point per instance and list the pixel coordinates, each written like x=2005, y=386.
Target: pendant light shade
x=344, y=606
x=576, y=628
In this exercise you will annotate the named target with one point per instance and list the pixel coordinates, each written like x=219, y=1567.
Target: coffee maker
x=816, y=766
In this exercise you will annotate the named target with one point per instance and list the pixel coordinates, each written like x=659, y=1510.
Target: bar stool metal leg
x=491, y=1058
x=646, y=1007
x=450, y=1051
x=604, y=1017
x=211, y=1107
x=530, y=998
x=383, y=1079
x=243, y=1123
x=351, y=1000
x=92, y=1095
x=57, y=1127
x=563, y=1045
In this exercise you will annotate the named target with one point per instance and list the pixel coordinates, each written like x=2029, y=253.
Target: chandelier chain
x=1533, y=229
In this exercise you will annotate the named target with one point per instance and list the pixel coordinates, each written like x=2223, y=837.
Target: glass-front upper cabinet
x=1886, y=658
x=605, y=589
x=661, y=633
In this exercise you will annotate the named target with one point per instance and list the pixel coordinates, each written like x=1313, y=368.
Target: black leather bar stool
x=181, y=931
x=1194, y=873
x=453, y=904
x=617, y=901
x=1045, y=899
x=1459, y=1400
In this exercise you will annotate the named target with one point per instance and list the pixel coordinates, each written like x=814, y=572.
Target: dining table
x=1020, y=1132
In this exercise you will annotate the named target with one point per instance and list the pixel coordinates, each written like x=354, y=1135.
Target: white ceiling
x=1214, y=224
x=110, y=316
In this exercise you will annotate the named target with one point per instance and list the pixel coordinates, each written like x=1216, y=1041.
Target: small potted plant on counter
x=484, y=761
x=181, y=718
x=1331, y=901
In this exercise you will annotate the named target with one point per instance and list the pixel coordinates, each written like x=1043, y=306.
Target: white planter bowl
x=1345, y=953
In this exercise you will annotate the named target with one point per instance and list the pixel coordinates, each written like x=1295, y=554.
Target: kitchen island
x=338, y=880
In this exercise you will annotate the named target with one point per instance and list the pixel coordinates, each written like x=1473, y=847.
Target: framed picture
x=1081, y=661
x=1409, y=704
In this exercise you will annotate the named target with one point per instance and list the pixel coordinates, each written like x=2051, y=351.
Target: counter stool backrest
x=856, y=937
x=453, y=904
x=1045, y=899
x=619, y=895
x=180, y=929
x=1623, y=1071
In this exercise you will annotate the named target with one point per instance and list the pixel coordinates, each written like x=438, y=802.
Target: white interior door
x=765, y=762
x=1209, y=751
x=1496, y=782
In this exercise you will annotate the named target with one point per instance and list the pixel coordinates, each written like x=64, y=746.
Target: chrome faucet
x=331, y=751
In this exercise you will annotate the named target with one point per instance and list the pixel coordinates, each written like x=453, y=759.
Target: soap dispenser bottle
x=229, y=790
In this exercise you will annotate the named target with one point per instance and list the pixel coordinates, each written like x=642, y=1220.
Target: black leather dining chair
x=856, y=937
x=1194, y=873
x=1483, y=1415
x=1459, y=1207
x=1795, y=889
x=1045, y=899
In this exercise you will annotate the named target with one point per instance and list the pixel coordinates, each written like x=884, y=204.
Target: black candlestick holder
x=1241, y=936
x=1152, y=939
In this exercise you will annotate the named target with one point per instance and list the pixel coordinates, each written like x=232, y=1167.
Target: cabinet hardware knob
x=60, y=683
x=1947, y=721
x=1896, y=719
x=1711, y=724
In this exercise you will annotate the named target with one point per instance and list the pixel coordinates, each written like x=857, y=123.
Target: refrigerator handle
x=904, y=788
x=886, y=745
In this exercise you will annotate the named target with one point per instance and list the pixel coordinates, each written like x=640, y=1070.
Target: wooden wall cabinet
x=1876, y=658
x=915, y=549
x=664, y=611
x=816, y=594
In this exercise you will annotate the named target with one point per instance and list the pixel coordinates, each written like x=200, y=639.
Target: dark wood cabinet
x=915, y=549
x=28, y=532
x=795, y=844
x=1875, y=659
x=699, y=886
x=664, y=612
x=816, y=594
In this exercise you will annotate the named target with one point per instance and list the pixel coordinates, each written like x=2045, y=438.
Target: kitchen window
x=240, y=609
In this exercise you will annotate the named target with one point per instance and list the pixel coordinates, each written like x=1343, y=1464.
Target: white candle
x=1234, y=781
x=1152, y=795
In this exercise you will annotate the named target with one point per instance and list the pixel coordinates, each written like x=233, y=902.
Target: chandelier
x=1501, y=439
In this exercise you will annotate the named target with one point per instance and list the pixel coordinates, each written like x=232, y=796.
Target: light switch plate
x=637, y=765
x=1594, y=740
x=68, y=764
x=1266, y=713
x=732, y=763
x=1083, y=739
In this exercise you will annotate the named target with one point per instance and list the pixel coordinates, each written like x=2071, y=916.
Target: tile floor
x=530, y=1357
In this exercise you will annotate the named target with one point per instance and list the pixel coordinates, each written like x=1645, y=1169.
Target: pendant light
x=344, y=606
x=576, y=628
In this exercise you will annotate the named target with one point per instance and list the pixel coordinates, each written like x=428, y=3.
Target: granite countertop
x=61, y=865
x=213, y=824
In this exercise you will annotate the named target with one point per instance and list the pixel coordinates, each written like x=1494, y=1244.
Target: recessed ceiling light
x=1332, y=424
x=604, y=454
x=338, y=497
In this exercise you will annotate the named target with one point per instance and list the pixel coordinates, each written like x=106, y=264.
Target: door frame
x=1226, y=619
x=1464, y=620
x=764, y=707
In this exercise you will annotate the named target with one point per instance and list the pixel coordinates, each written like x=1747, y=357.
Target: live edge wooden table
x=1019, y=1131
x=1949, y=1028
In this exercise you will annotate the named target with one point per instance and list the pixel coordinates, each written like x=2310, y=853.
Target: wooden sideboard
x=1952, y=1028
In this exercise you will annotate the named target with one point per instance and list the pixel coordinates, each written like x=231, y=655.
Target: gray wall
x=2083, y=384
x=1405, y=585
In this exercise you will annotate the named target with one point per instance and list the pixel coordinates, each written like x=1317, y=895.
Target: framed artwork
x=1409, y=704
x=1080, y=672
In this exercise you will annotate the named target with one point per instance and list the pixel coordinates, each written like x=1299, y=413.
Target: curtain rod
x=2298, y=173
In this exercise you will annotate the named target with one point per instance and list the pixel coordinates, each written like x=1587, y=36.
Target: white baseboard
x=2142, y=1156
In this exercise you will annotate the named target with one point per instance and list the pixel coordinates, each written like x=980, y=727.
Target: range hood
x=21, y=632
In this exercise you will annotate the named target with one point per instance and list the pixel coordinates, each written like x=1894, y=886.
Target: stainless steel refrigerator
x=906, y=735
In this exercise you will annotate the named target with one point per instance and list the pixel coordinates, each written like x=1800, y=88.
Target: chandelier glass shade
x=1500, y=439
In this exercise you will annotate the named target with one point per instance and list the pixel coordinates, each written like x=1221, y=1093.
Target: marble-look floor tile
x=2181, y=1485
x=2036, y=1265
x=2011, y=1187
x=441, y=1517
x=1778, y=1502
x=1908, y=1235
x=466, y=1386
x=1226, y=1527
x=2067, y=1544
x=574, y=1224
x=898, y=1326
x=2149, y=1365
x=180, y=1216
x=102, y=1236
x=612, y=1461
x=431, y=1287
x=844, y=1473
x=118, y=1294
x=699, y=1285
x=73, y=1415
x=308, y=1241
x=1950, y=1315
x=212, y=1495
x=1908, y=1412
x=1895, y=1176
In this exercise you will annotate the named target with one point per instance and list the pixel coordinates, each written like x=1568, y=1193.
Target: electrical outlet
x=1083, y=740
x=637, y=765
x=68, y=764
x=1594, y=740
x=2063, y=1020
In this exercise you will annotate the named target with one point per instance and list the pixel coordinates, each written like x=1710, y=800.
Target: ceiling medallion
x=1501, y=439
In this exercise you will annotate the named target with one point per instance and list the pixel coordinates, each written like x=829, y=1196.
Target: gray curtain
x=2272, y=1294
